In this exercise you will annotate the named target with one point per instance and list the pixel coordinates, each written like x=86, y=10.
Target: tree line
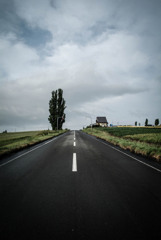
x=156, y=122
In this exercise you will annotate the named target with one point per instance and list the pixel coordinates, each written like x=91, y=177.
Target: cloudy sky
x=104, y=54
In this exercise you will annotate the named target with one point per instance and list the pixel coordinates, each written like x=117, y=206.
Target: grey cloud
x=12, y=119
x=23, y=105
x=101, y=27
x=90, y=92
x=34, y=36
x=11, y=23
x=8, y=18
x=104, y=55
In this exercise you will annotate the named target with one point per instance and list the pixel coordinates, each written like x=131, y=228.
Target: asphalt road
x=79, y=187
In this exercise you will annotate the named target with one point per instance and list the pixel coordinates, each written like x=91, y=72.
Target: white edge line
x=129, y=156
x=3, y=164
x=74, y=165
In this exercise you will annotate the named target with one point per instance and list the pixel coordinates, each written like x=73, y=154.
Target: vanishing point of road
x=76, y=186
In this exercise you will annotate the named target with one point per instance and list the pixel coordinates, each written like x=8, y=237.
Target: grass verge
x=150, y=150
x=13, y=142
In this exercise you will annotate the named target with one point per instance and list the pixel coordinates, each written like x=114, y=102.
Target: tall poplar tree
x=56, y=109
x=146, y=122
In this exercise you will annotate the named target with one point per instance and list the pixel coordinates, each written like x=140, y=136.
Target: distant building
x=102, y=121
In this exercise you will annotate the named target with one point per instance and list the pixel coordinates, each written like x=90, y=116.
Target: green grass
x=154, y=138
x=144, y=141
x=123, y=131
x=10, y=142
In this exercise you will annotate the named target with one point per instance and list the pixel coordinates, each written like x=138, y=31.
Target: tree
x=136, y=123
x=56, y=109
x=157, y=122
x=146, y=122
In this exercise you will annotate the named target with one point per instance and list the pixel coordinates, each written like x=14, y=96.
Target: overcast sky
x=104, y=54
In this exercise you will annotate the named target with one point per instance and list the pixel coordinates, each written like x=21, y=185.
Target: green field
x=124, y=131
x=141, y=140
x=10, y=142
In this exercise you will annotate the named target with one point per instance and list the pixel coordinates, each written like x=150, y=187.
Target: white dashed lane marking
x=74, y=165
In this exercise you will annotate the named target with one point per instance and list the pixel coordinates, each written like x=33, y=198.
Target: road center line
x=74, y=165
x=74, y=135
x=74, y=144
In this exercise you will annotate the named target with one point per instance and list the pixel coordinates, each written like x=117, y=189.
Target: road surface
x=78, y=187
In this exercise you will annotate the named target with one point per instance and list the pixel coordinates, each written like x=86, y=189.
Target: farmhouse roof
x=101, y=120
